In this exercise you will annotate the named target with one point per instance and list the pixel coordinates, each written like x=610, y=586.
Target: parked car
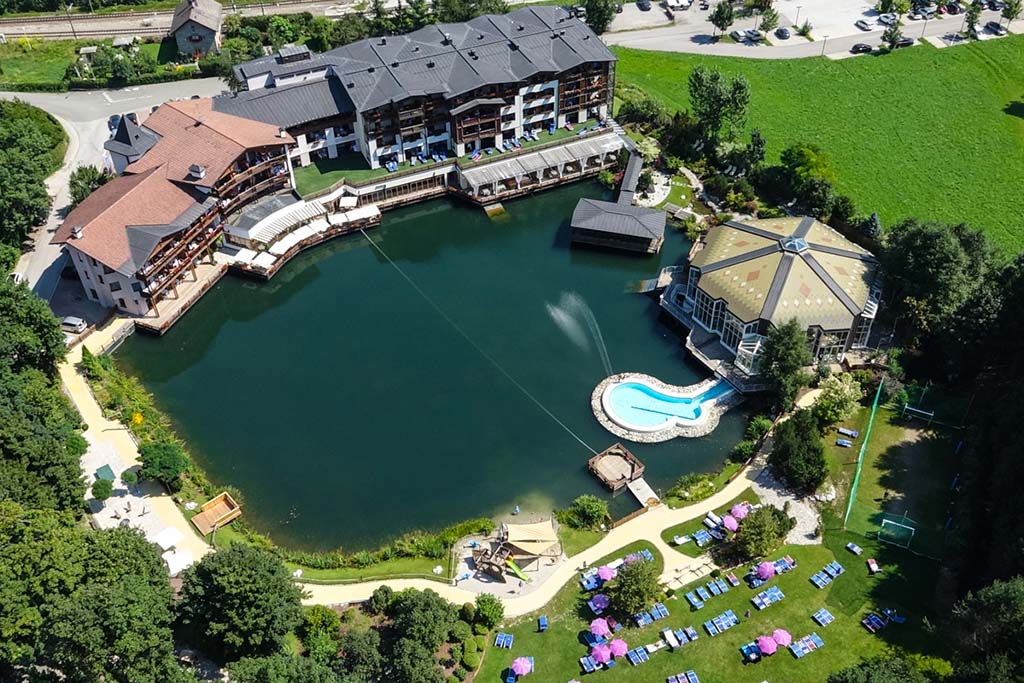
x=73, y=323
x=113, y=122
x=782, y=32
x=705, y=5
x=644, y=5
x=134, y=118
x=754, y=36
x=996, y=5
x=860, y=49
x=996, y=28
x=904, y=41
x=738, y=36
x=887, y=19
x=864, y=25
x=954, y=8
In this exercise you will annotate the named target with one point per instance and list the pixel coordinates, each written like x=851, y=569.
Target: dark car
x=904, y=42
x=954, y=8
x=113, y=122
x=996, y=5
x=782, y=32
x=644, y=5
x=133, y=117
x=996, y=28
x=860, y=48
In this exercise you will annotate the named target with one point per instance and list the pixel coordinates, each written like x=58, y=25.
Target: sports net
x=860, y=457
x=898, y=531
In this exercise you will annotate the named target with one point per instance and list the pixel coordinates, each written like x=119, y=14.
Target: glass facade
x=732, y=331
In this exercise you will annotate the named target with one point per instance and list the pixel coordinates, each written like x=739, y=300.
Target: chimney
x=447, y=39
x=282, y=133
x=197, y=171
x=76, y=232
x=383, y=41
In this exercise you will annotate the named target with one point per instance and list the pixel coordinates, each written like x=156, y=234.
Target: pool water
x=638, y=404
x=347, y=410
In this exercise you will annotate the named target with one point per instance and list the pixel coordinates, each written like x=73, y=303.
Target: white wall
x=97, y=284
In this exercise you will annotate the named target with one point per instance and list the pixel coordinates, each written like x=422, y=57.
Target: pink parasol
x=521, y=666
x=600, y=601
x=730, y=523
x=605, y=573
x=740, y=510
x=782, y=637
x=766, y=645
x=765, y=570
x=618, y=647
x=602, y=654
x=599, y=627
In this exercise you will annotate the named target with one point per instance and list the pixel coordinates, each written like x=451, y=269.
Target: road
x=84, y=117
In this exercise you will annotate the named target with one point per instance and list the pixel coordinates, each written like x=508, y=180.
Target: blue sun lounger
x=711, y=628
x=510, y=676
x=542, y=624
x=680, y=635
x=823, y=617
x=589, y=664
x=845, y=443
x=691, y=633
x=593, y=640
x=852, y=433
x=659, y=611
x=691, y=677
x=703, y=593
x=694, y=601
x=643, y=619
x=713, y=587
x=722, y=585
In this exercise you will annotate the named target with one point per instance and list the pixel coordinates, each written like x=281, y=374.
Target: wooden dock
x=616, y=467
x=643, y=492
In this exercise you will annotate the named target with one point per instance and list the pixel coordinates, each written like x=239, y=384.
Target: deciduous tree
x=722, y=16
x=162, y=461
x=785, y=356
x=599, y=14
x=763, y=530
x=798, y=455
x=880, y=670
x=281, y=668
x=489, y=610
x=635, y=587
x=837, y=400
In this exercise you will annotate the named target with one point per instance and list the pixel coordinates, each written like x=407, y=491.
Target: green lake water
x=348, y=410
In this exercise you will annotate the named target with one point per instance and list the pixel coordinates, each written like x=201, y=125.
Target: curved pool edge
x=703, y=425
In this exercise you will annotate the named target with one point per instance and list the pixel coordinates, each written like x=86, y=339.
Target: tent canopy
x=533, y=539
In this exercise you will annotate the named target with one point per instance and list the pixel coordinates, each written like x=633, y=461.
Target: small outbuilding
x=618, y=226
x=195, y=26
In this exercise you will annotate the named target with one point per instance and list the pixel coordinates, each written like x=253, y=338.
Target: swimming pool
x=638, y=406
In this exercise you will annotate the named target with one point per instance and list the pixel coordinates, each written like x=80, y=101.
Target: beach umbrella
x=730, y=523
x=605, y=573
x=600, y=601
x=739, y=511
x=766, y=645
x=618, y=647
x=521, y=666
x=782, y=637
x=602, y=654
x=599, y=627
x=765, y=570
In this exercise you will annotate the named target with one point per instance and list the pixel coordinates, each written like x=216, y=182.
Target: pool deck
x=704, y=425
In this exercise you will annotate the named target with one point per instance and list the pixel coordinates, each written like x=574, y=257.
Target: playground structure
x=516, y=548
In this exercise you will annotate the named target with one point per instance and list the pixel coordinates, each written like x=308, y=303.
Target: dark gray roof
x=631, y=175
x=620, y=219
x=287, y=106
x=143, y=239
x=130, y=139
x=449, y=59
x=476, y=103
x=203, y=12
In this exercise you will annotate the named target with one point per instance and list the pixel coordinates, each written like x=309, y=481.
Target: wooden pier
x=616, y=467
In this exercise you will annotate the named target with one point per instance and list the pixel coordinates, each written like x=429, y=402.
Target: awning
x=177, y=561
x=264, y=260
x=362, y=212
x=278, y=222
x=534, y=539
x=167, y=538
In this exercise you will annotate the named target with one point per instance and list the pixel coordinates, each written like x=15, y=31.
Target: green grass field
x=937, y=134
x=575, y=541
x=688, y=528
x=717, y=660
x=37, y=61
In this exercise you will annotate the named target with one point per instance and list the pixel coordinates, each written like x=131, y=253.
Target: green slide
x=516, y=570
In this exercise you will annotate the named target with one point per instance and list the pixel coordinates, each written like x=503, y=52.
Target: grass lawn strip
x=688, y=528
x=920, y=132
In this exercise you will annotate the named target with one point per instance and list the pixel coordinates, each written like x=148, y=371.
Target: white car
x=864, y=25
x=887, y=19
x=74, y=324
x=738, y=36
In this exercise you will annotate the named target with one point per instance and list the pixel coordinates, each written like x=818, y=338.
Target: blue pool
x=639, y=405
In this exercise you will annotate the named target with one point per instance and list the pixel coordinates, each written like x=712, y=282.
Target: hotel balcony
x=181, y=260
x=241, y=175
x=160, y=259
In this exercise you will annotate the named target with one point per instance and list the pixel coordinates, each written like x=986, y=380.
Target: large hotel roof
x=777, y=269
x=447, y=59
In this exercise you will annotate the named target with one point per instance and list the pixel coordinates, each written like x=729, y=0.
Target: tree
x=985, y=627
x=489, y=610
x=412, y=662
x=381, y=22
x=755, y=151
x=599, y=14
x=784, y=358
x=586, y=512
x=722, y=16
x=121, y=68
x=769, y=20
x=759, y=426
x=239, y=602
x=319, y=34
x=763, y=531
x=319, y=633
x=423, y=616
x=162, y=461
x=280, y=668
x=84, y=181
x=102, y=489
x=720, y=105
x=30, y=336
x=231, y=25
x=798, y=455
x=647, y=110
x=635, y=587
x=649, y=149
x=843, y=212
x=816, y=196
x=803, y=161
x=872, y=227
x=380, y=599
x=838, y=399
x=355, y=27
x=1012, y=9
x=892, y=34
x=879, y=670
x=280, y=31
x=645, y=182
x=971, y=18
x=360, y=655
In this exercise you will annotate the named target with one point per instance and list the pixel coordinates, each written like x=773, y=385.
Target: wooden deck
x=643, y=492
x=616, y=467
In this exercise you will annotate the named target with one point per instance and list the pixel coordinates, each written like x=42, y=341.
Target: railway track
x=57, y=18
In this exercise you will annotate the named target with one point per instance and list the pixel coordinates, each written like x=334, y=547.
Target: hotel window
x=691, y=284
x=121, y=303
x=115, y=286
x=704, y=309
x=93, y=294
x=136, y=286
x=732, y=330
x=863, y=332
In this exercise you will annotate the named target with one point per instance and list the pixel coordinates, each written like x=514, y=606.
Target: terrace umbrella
x=605, y=573
x=765, y=570
x=521, y=666
x=730, y=523
x=602, y=654
x=766, y=645
x=739, y=511
x=782, y=637
x=618, y=647
x=599, y=627
x=600, y=601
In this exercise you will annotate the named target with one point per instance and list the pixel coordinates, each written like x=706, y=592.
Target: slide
x=516, y=570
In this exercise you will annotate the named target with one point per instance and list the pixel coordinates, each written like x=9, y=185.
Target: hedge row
x=43, y=86
x=96, y=83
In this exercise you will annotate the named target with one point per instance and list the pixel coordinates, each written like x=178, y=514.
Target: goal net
x=898, y=531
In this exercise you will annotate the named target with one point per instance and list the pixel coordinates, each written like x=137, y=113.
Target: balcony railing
x=247, y=173
x=165, y=255
x=247, y=195
x=165, y=278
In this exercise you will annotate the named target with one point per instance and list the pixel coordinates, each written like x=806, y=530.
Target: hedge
x=42, y=86
x=471, y=660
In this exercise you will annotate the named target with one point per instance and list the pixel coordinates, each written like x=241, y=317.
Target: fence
x=860, y=456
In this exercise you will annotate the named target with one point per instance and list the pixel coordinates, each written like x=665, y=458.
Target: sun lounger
x=691, y=677
x=643, y=619
x=542, y=624
x=708, y=523
x=647, y=555
x=852, y=433
x=823, y=617
x=703, y=593
x=716, y=534
x=845, y=443
x=596, y=610
x=680, y=540
x=510, y=676
x=681, y=636
x=732, y=579
x=722, y=585
x=672, y=679
x=588, y=664
x=593, y=640
x=710, y=628
x=713, y=587
x=691, y=633
x=854, y=548
x=816, y=640
x=873, y=566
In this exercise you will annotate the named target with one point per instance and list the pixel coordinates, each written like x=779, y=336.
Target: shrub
x=460, y=631
x=468, y=613
x=489, y=610
x=455, y=652
x=586, y=512
x=743, y=451
x=635, y=587
x=838, y=399
x=162, y=461
x=480, y=629
x=129, y=477
x=481, y=642
x=763, y=530
x=460, y=674
x=717, y=186
x=743, y=186
x=453, y=678
x=380, y=599
x=102, y=489
x=471, y=660
x=770, y=212
x=865, y=378
x=469, y=646
x=758, y=427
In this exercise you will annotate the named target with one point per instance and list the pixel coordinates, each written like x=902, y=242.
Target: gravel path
x=772, y=492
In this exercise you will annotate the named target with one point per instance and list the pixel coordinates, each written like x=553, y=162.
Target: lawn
x=575, y=541
x=687, y=528
x=163, y=52
x=937, y=134
x=37, y=61
x=717, y=660
x=421, y=567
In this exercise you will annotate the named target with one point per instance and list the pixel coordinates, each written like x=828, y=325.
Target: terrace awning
x=533, y=539
x=167, y=538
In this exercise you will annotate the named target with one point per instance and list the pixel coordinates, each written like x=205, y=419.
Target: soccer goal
x=899, y=533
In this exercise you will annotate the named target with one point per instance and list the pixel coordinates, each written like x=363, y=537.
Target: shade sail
x=533, y=539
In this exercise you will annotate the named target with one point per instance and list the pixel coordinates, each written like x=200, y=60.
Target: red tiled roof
x=147, y=198
x=192, y=133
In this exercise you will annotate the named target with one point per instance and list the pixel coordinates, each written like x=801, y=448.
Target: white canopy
x=167, y=537
x=534, y=539
x=177, y=561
